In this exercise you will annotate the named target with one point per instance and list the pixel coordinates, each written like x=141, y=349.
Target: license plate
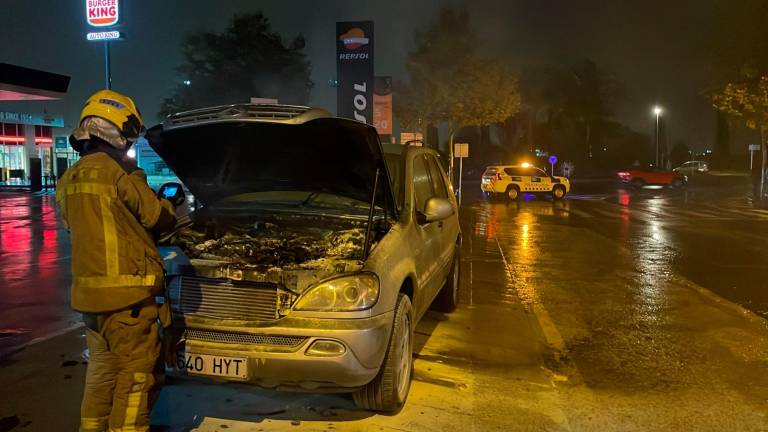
x=213, y=365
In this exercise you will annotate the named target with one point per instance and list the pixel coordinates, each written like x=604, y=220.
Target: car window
x=519, y=171
x=490, y=172
x=436, y=173
x=515, y=171
x=422, y=183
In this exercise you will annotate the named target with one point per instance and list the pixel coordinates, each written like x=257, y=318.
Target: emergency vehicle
x=513, y=180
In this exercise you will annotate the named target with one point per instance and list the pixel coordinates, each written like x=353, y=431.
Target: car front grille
x=227, y=299
x=244, y=338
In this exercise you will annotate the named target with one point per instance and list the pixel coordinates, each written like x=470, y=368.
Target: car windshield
x=395, y=167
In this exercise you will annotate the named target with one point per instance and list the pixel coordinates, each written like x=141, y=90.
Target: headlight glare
x=344, y=294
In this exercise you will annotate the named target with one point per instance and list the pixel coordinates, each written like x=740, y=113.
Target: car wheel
x=677, y=183
x=558, y=192
x=638, y=183
x=448, y=297
x=389, y=390
x=513, y=193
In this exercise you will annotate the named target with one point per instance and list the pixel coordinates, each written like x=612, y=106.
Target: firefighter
x=117, y=274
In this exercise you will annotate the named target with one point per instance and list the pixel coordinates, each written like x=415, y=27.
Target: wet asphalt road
x=613, y=310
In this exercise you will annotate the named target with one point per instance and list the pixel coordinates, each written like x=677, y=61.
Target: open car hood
x=217, y=160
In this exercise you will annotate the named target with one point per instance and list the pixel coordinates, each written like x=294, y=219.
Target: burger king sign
x=102, y=13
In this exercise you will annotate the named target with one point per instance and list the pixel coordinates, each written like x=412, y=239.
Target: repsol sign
x=361, y=56
x=354, y=68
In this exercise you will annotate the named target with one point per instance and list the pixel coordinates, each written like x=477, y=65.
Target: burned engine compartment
x=294, y=251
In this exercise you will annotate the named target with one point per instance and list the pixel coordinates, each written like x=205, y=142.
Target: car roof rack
x=263, y=113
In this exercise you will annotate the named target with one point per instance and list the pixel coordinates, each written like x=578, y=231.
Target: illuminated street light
x=658, y=111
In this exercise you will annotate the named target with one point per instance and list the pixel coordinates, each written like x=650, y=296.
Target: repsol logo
x=360, y=101
x=354, y=56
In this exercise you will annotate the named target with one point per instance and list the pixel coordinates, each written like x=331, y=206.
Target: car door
x=448, y=228
x=427, y=244
x=520, y=177
x=541, y=181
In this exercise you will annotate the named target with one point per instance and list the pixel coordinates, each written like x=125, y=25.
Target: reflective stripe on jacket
x=110, y=210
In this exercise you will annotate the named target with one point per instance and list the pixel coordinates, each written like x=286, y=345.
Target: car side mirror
x=436, y=209
x=173, y=192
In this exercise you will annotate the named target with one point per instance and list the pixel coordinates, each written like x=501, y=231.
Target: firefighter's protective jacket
x=111, y=214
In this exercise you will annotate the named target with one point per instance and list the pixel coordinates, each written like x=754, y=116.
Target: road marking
x=580, y=213
x=551, y=334
x=53, y=334
x=554, y=339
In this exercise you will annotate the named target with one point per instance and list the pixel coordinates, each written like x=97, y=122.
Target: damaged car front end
x=262, y=304
x=290, y=275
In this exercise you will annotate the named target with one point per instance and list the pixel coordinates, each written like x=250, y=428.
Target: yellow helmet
x=118, y=109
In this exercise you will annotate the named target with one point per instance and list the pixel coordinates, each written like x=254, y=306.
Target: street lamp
x=658, y=111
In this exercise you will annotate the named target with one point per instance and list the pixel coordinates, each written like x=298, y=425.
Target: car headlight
x=347, y=293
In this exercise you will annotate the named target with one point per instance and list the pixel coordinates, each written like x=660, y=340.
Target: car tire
x=558, y=192
x=677, y=183
x=448, y=297
x=389, y=390
x=513, y=193
x=637, y=183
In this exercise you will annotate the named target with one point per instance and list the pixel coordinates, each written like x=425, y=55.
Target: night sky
x=659, y=49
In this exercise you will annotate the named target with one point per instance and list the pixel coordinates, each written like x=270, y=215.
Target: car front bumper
x=289, y=365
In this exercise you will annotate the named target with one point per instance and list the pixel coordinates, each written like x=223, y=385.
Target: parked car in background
x=639, y=177
x=310, y=279
x=692, y=167
x=512, y=180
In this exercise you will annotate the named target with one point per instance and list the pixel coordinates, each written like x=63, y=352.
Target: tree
x=740, y=38
x=449, y=83
x=680, y=154
x=747, y=100
x=244, y=61
x=585, y=95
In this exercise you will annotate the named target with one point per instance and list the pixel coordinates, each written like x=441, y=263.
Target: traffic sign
x=461, y=150
x=754, y=147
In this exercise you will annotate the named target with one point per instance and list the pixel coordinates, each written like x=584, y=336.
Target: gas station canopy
x=19, y=83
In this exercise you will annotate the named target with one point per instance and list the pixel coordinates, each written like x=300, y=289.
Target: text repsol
x=360, y=56
x=360, y=101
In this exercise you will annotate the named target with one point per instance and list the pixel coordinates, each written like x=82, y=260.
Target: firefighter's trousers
x=120, y=383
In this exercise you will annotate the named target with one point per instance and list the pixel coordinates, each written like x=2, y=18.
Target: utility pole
x=107, y=66
x=657, y=110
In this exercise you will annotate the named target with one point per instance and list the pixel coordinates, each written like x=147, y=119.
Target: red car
x=639, y=177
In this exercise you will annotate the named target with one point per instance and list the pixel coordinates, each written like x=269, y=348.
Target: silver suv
x=692, y=167
x=313, y=253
